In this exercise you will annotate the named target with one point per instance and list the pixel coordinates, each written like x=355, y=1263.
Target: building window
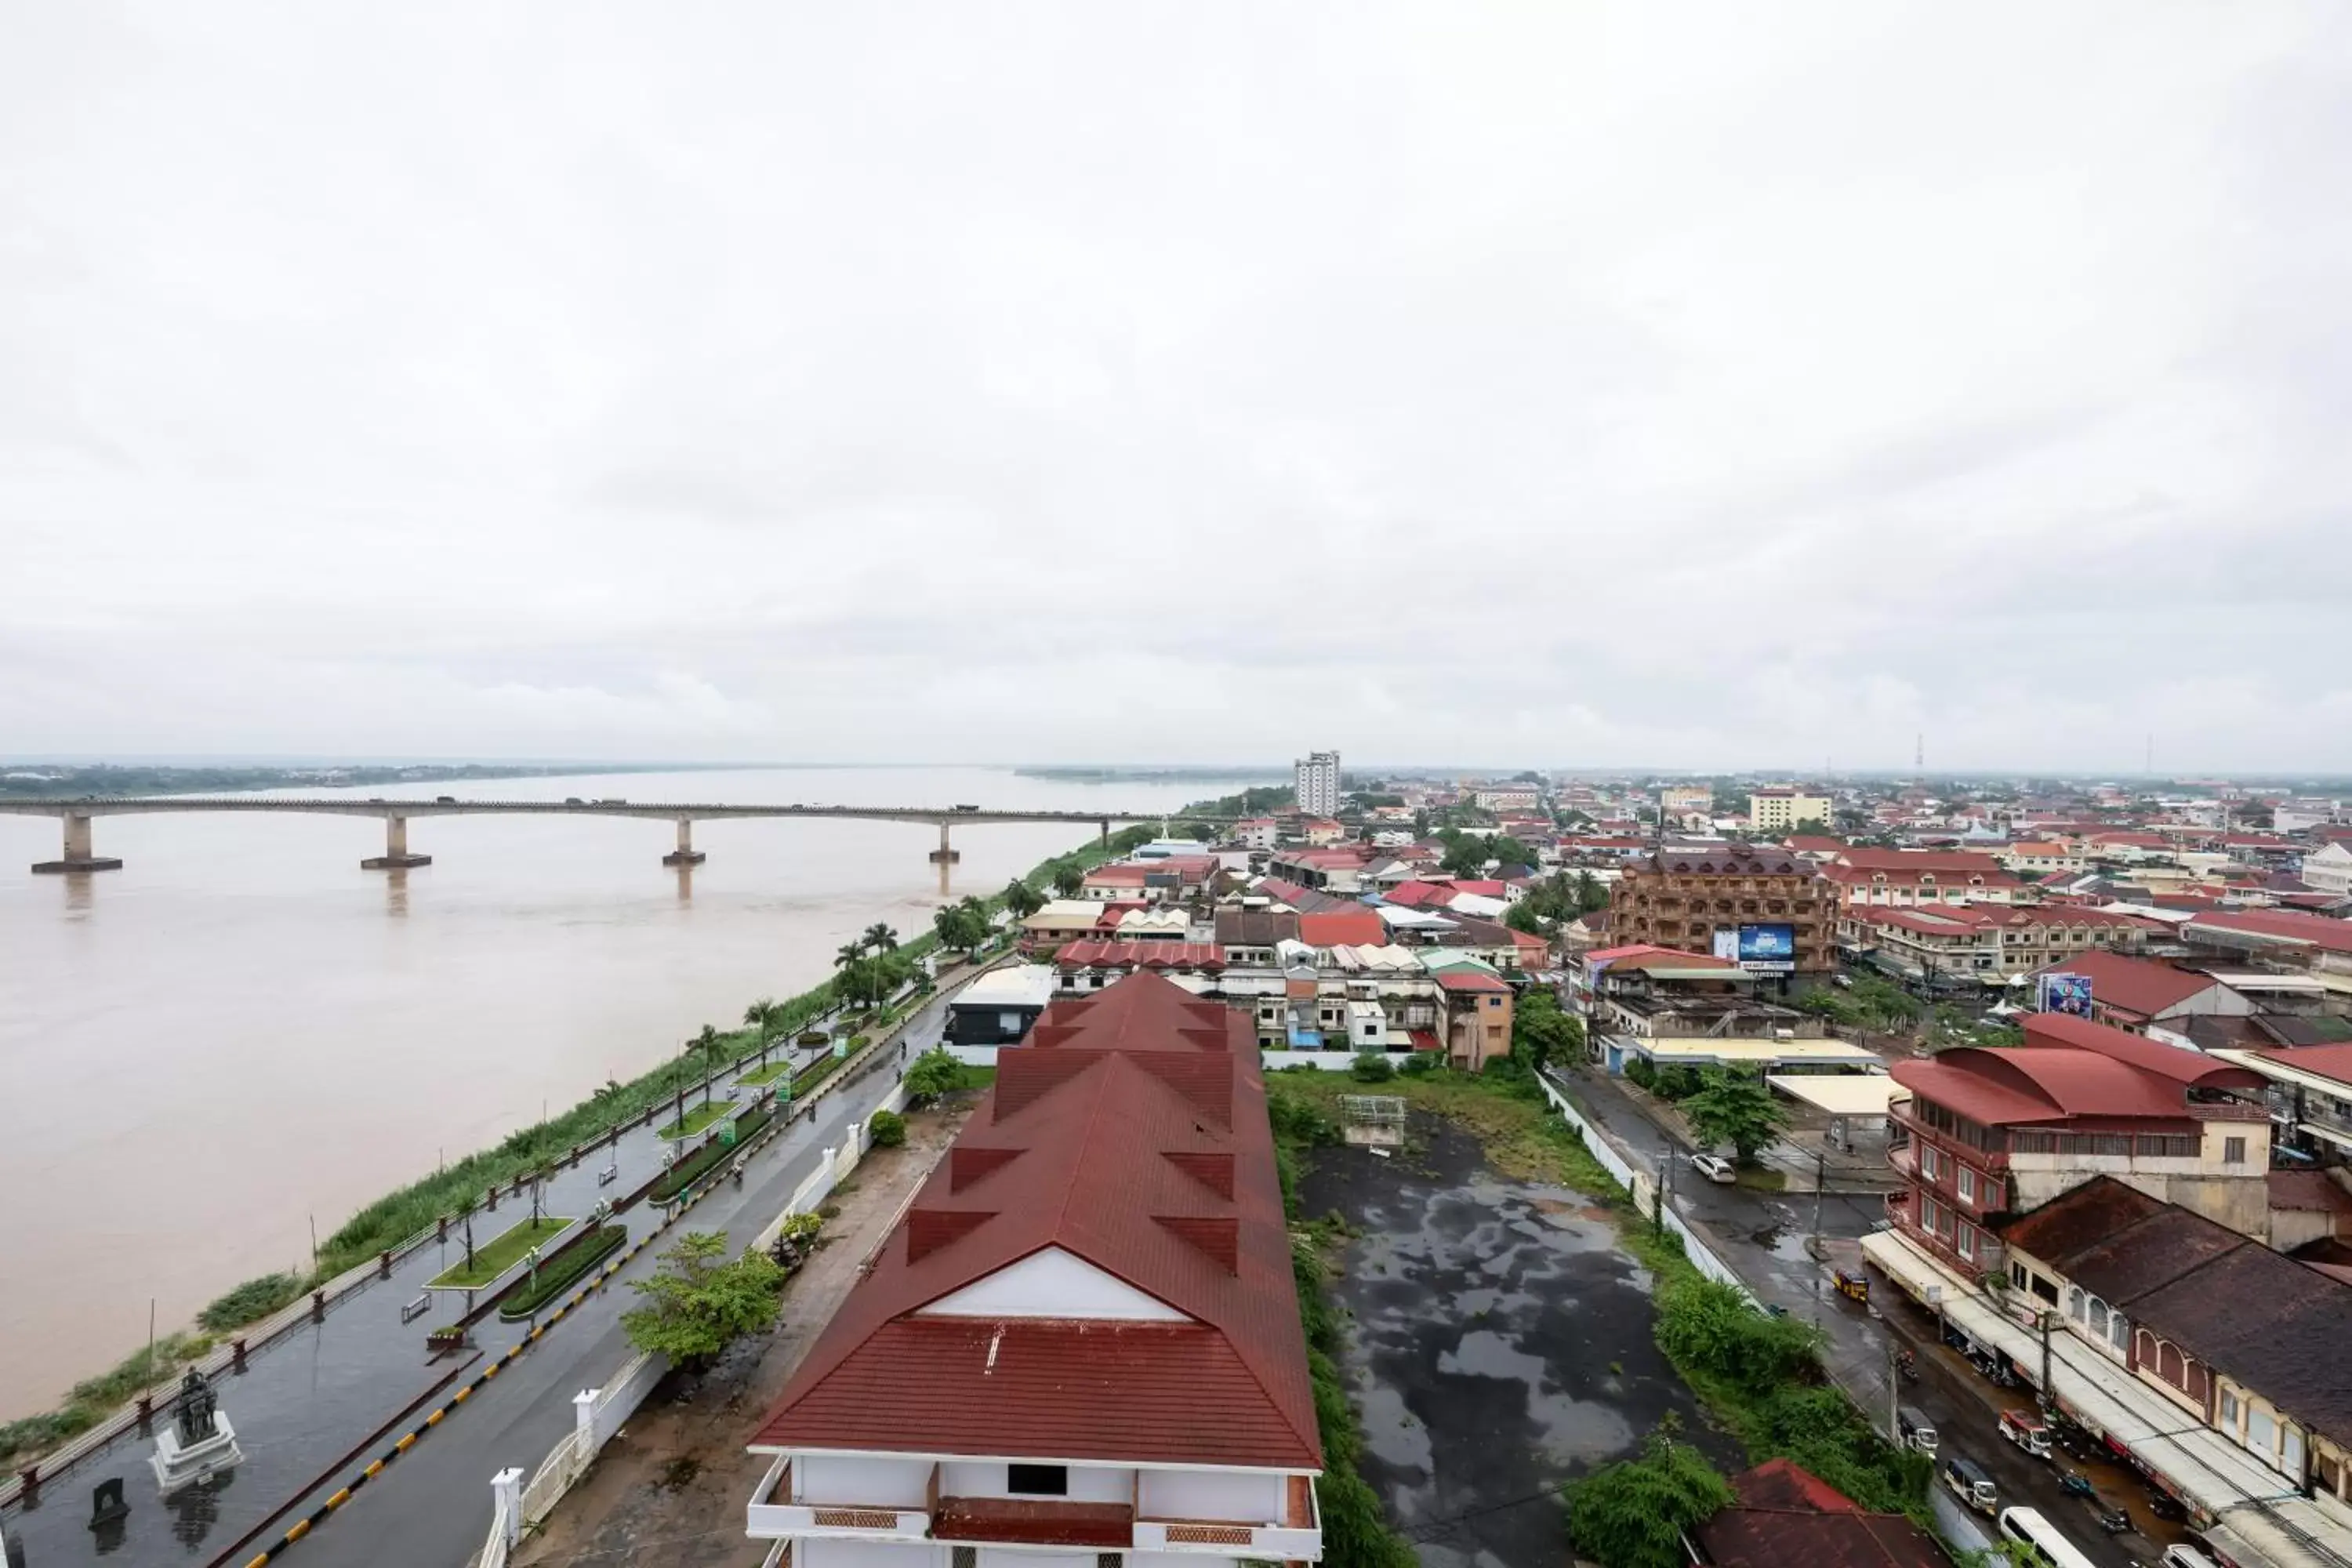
x=2017, y=1276
x=2229, y=1412
x=1966, y=1240
x=1966, y=1181
x=2075, y=1308
x=1929, y=1157
x=1037, y=1480
x=964, y=1557
x=2233, y=1150
x=2118, y=1332
x=2098, y=1318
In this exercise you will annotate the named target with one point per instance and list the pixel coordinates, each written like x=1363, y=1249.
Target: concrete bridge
x=81, y=854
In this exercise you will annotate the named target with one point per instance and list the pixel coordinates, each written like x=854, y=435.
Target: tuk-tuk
x=1915, y=1429
x=2027, y=1430
x=1856, y=1286
x=1970, y=1484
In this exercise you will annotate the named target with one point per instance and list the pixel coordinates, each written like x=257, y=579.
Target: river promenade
x=320, y=1401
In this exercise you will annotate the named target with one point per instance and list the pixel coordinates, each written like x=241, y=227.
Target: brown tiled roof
x=2308, y=1192
x=2268, y=1322
x=1255, y=927
x=1786, y=1517
x=2135, y=984
x=1130, y=1131
x=2069, y=1225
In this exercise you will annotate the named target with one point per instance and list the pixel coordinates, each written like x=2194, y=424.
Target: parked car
x=2180, y=1556
x=1968, y=1482
x=1715, y=1168
x=2027, y=1430
x=1916, y=1429
x=2164, y=1506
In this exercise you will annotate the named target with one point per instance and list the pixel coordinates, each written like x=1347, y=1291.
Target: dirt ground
x=671, y=1485
x=1498, y=1343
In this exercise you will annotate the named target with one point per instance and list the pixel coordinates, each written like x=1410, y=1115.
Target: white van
x=2184, y=1557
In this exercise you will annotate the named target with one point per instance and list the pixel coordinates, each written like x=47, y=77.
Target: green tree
x=1522, y=916
x=887, y=1129
x=1733, y=1109
x=932, y=1075
x=1466, y=856
x=709, y=1045
x=1633, y=1514
x=1590, y=894
x=880, y=936
x=1067, y=880
x=1022, y=899
x=1509, y=851
x=768, y=1017
x=696, y=1303
x=963, y=926
x=1541, y=1033
x=848, y=953
x=1202, y=832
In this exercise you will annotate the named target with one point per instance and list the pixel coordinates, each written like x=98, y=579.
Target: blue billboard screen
x=1768, y=947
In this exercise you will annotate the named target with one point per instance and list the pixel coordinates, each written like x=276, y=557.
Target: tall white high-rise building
x=1319, y=783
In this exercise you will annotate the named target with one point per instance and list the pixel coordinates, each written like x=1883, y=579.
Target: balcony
x=773, y=1513
x=1299, y=1538
x=1035, y=1522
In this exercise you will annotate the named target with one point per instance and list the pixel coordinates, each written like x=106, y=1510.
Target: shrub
x=1420, y=1062
x=558, y=1273
x=1708, y=1327
x=888, y=1129
x=1638, y=1069
x=250, y=1303
x=1372, y=1067
x=697, y=1165
x=1632, y=1514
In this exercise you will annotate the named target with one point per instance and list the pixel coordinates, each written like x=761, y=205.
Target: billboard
x=1759, y=949
x=2062, y=994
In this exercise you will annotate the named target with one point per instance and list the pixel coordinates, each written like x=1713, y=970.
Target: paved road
x=318, y=1392
x=1763, y=1237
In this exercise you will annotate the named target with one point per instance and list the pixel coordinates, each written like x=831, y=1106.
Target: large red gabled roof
x=2173, y=1064
x=2139, y=986
x=1130, y=1132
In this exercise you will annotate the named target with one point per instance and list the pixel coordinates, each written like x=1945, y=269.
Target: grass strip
x=699, y=1163
x=695, y=1119
x=503, y=1252
x=760, y=1078
x=558, y=1273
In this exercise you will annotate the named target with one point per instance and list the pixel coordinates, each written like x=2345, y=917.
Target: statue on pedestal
x=200, y=1441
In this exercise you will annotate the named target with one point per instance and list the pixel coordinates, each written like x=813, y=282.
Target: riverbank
x=387, y=1222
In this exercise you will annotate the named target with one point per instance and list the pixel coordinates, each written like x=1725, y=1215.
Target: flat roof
x=1752, y=1053
x=2250, y=981
x=1839, y=1093
x=1016, y=985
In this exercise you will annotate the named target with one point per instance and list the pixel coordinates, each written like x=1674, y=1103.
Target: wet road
x=1500, y=1345
x=319, y=1391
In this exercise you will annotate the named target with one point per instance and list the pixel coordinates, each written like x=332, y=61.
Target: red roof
x=2173, y=1064
x=1469, y=980
x=1364, y=930
x=2320, y=1061
x=1786, y=1515
x=1131, y=1133
x=2000, y=1088
x=1419, y=895
x=2133, y=984
x=1942, y=863
x=1143, y=954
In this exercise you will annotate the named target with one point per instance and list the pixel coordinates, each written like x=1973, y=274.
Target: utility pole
x=1665, y=1188
x=1821, y=1179
x=1894, y=1394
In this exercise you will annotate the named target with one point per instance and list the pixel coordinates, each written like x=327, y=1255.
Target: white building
x=1081, y=1341
x=1317, y=784
x=2329, y=870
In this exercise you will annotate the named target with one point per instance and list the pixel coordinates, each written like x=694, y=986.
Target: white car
x=1714, y=1167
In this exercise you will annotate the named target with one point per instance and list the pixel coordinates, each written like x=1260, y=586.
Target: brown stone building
x=1701, y=897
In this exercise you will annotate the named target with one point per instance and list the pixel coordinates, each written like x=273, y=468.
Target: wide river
x=241, y=1033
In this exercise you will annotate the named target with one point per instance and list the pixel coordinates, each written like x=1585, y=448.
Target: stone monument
x=199, y=1443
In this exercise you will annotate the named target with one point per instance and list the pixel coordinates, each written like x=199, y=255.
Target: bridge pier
x=944, y=857
x=395, y=856
x=686, y=854
x=1105, y=832
x=78, y=857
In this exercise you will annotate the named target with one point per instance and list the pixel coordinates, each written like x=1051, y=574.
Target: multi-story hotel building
x=1681, y=896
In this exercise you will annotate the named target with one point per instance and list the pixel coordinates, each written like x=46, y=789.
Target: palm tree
x=1067, y=880
x=766, y=1016
x=1022, y=899
x=880, y=936
x=709, y=1045
x=848, y=953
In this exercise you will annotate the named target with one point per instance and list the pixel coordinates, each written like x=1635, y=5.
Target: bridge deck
x=666, y=811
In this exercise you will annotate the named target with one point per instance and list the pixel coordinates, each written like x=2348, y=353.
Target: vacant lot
x=1499, y=1344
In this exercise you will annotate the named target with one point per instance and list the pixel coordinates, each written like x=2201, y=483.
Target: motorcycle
x=1908, y=1366
x=2114, y=1520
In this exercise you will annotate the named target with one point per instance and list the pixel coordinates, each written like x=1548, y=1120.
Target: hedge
x=557, y=1274
x=699, y=1163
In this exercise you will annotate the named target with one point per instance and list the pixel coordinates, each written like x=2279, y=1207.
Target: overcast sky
x=1557, y=384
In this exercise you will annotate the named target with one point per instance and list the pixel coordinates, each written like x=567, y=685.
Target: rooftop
x=1130, y=1137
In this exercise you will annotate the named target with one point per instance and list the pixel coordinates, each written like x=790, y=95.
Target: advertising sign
x=1767, y=949
x=2064, y=994
x=1727, y=944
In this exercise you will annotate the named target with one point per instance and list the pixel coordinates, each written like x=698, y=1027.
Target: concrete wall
x=1324, y=1061
x=1088, y=1483
x=1211, y=1494
x=881, y=1483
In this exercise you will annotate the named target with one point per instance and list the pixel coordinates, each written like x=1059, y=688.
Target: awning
x=2278, y=1527
x=2335, y=1135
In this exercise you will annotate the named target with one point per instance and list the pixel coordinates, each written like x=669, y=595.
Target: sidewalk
x=672, y=1485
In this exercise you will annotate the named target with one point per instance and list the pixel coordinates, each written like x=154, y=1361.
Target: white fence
x=1325, y=1061
x=1643, y=1186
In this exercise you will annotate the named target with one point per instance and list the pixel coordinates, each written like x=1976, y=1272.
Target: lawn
x=503, y=1254
x=760, y=1078
x=694, y=1120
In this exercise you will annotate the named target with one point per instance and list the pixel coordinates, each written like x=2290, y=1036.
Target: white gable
x=1053, y=1284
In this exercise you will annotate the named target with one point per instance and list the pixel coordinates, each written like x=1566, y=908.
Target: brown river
x=241, y=1033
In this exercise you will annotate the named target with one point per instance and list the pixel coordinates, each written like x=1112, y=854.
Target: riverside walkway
x=320, y=1401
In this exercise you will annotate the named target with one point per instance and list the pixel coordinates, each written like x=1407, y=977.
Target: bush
x=1632, y=1514
x=250, y=1303
x=1641, y=1072
x=888, y=1129
x=558, y=1273
x=697, y=1165
x=1372, y=1067
x=1420, y=1062
x=1708, y=1327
